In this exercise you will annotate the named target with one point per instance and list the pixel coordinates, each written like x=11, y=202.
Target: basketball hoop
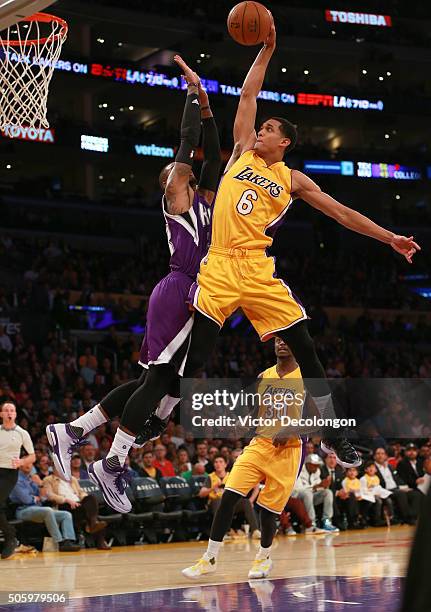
x=28, y=55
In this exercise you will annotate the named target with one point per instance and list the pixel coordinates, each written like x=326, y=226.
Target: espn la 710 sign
x=383, y=21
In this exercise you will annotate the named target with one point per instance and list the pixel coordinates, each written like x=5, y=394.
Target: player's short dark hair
x=219, y=456
x=368, y=463
x=289, y=131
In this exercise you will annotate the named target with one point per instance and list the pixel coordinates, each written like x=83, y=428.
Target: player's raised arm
x=306, y=189
x=243, y=129
x=178, y=193
x=211, y=147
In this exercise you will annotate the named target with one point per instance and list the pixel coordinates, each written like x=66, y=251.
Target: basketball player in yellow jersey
x=270, y=457
x=254, y=195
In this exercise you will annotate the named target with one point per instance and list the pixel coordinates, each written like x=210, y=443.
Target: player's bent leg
x=262, y=563
x=205, y=332
x=144, y=400
x=113, y=403
x=158, y=421
x=207, y=564
x=302, y=346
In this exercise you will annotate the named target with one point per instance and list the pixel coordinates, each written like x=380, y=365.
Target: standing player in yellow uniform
x=269, y=457
x=253, y=197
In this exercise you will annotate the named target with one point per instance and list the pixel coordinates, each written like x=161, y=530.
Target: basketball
x=249, y=23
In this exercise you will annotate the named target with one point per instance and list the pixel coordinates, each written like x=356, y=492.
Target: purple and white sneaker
x=63, y=442
x=113, y=484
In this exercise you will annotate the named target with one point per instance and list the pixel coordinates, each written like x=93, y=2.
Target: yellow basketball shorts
x=241, y=278
x=262, y=461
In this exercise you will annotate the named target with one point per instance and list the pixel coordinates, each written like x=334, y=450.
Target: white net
x=29, y=51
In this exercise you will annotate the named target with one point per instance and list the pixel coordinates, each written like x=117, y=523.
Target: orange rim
x=43, y=18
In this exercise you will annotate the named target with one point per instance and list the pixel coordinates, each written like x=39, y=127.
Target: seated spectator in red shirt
x=164, y=465
x=395, y=454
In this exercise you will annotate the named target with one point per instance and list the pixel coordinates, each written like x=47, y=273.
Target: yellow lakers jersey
x=251, y=201
x=280, y=397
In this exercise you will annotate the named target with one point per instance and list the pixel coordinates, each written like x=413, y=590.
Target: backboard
x=12, y=11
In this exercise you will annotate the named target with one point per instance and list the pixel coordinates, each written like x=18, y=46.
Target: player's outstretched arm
x=243, y=129
x=178, y=193
x=211, y=148
x=306, y=189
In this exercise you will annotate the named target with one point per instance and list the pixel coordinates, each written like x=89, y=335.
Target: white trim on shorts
x=173, y=346
x=144, y=365
x=235, y=491
x=302, y=309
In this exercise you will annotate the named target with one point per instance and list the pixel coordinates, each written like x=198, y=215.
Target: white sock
x=212, y=550
x=325, y=406
x=167, y=404
x=90, y=420
x=120, y=446
x=263, y=553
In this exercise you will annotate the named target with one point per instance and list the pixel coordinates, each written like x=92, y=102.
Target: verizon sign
x=29, y=133
x=383, y=21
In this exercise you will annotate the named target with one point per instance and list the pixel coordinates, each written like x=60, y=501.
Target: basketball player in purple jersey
x=187, y=211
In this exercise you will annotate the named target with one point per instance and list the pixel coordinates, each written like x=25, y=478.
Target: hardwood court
x=355, y=569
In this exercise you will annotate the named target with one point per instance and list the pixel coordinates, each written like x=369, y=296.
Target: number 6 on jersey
x=245, y=204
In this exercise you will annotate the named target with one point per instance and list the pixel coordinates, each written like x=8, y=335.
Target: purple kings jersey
x=189, y=236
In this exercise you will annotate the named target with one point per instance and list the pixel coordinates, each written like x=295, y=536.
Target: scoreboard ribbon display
x=362, y=169
x=387, y=171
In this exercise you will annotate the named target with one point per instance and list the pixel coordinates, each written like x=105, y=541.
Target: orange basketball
x=249, y=23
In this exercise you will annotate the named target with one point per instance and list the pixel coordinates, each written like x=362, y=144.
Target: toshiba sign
x=383, y=21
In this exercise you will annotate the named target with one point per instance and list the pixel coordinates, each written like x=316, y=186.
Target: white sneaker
x=256, y=534
x=201, y=568
x=314, y=530
x=260, y=568
x=63, y=442
x=291, y=532
x=113, y=484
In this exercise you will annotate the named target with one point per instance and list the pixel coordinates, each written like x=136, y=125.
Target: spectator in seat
x=296, y=506
x=182, y=459
x=164, y=465
x=212, y=453
x=214, y=488
x=178, y=436
x=394, y=455
x=78, y=472
x=148, y=469
x=88, y=455
x=370, y=486
x=202, y=456
x=425, y=486
x=83, y=507
x=197, y=470
x=344, y=503
x=406, y=500
x=352, y=499
x=43, y=467
x=29, y=498
x=313, y=491
x=189, y=443
x=410, y=468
